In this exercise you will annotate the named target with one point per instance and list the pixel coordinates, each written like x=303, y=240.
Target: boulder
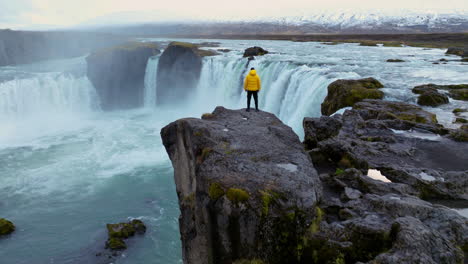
x=118, y=232
x=395, y=60
x=344, y=93
x=432, y=99
x=459, y=51
x=456, y=91
x=118, y=74
x=255, y=51
x=6, y=227
x=401, y=140
x=179, y=70
x=247, y=190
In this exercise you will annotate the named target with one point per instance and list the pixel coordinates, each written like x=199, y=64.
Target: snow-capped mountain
x=318, y=22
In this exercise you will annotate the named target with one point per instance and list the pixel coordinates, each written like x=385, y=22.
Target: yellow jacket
x=252, y=82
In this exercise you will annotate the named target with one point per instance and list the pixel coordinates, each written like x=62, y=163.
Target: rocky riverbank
x=249, y=193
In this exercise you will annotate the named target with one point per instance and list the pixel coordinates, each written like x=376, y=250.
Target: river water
x=67, y=168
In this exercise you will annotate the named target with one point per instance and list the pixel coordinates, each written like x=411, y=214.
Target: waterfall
x=151, y=81
x=290, y=91
x=47, y=93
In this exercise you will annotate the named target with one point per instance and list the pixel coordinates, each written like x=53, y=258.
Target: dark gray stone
x=118, y=74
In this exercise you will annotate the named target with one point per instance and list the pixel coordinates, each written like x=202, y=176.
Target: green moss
x=115, y=243
x=359, y=94
x=268, y=197
x=392, y=44
x=207, y=116
x=237, y=195
x=248, y=261
x=6, y=227
x=198, y=134
x=122, y=230
x=183, y=44
x=458, y=110
x=339, y=171
x=461, y=120
x=415, y=118
x=215, y=191
x=315, y=225
x=345, y=162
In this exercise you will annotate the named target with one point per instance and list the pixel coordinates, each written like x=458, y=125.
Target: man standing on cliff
x=252, y=86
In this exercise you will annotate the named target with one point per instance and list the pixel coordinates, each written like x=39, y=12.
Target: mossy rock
x=206, y=116
x=6, y=227
x=461, y=120
x=433, y=99
x=459, y=110
x=237, y=195
x=459, y=94
x=460, y=135
x=115, y=243
x=392, y=44
x=395, y=60
x=344, y=93
x=118, y=232
x=215, y=191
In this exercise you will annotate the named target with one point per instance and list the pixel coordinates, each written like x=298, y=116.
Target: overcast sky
x=37, y=13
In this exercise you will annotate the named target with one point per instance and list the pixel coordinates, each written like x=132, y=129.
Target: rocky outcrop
x=384, y=223
x=20, y=47
x=118, y=74
x=395, y=139
x=246, y=188
x=6, y=227
x=459, y=51
x=179, y=70
x=118, y=232
x=455, y=91
x=344, y=93
x=254, y=51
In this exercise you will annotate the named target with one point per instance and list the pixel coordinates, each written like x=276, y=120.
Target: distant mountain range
x=332, y=22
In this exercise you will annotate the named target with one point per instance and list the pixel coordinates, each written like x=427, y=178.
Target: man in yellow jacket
x=252, y=85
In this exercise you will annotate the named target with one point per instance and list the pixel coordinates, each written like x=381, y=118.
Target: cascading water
x=67, y=168
x=47, y=93
x=150, y=82
x=288, y=90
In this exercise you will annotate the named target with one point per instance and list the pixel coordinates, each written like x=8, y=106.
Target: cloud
x=72, y=12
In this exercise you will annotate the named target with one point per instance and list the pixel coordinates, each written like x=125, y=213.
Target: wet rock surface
x=179, y=70
x=246, y=187
x=118, y=74
x=456, y=91
x=255, y=51
x=248, y=193
x=6, y=227
x=401, y=140
x=118, y=232
x=344, y=93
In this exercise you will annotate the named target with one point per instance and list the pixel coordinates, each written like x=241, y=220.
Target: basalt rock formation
x=459, y=51
x=248, y=193
x=247, y=189
x=179, y=70
x=118, y=74
x=344, y=93
x=255, y=51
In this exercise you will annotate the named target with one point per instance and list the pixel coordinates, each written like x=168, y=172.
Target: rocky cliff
x=20, y=47
x=246, y=188
x=179, y=70
x=118, y=74
x=248, y=193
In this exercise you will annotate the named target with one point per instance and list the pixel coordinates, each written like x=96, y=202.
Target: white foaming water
x=47, y=93
x=68, y=168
